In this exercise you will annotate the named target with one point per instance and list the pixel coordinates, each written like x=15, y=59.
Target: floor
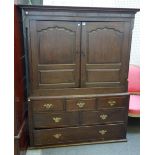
x=132, y=147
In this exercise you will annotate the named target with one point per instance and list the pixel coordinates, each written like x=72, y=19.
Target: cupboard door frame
x=120, y=27
x=35, y=66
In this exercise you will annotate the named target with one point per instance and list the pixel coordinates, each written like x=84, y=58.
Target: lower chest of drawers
x=74, y=120
x=79, y=134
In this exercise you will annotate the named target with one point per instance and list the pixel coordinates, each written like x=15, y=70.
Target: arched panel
x=104, y=45
x=56, y=46
x=103, y=53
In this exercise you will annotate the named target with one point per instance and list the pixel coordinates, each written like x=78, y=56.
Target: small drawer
x=103, y=116
x=80, y=104
x=48, y=120
x=113, y=101
x=79, y=134
x=47, y=105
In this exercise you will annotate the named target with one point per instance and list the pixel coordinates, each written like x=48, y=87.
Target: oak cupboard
x=77, y=65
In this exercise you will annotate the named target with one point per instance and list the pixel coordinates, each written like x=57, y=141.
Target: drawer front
x=48, y=120
x=79, y=134
x=81, y=104
x=47, y=105
x=110, y=102
x=103, y=116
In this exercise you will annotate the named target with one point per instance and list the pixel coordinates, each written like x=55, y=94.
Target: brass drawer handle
x=57, y=119
x=103, y=132
x=48, y=106
x=103, y=117
x=81, y=104
x=112, y=102
x=57, y=136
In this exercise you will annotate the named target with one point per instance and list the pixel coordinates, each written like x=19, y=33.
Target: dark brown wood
x=103, y=49
x=20, y=105
x=48, y=120
x=78, y=68
x=55, y=54
x=80, y=134
x=113, y=101
x=104, y=116
x=105, y=91
x=18, y=73
x=54, y=113
x=78, y=144
x=48, y=105
x=21, y=140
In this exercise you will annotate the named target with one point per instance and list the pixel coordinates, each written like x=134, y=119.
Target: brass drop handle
x=48, y=106
x=80, y=104
x=112, y=102
x=57, y=119
x=103, y=132
x=103, y=117
x=57, y=136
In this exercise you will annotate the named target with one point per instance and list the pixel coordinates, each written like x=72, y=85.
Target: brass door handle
x=103, y=117
x=103, y=132
x=57, y=136
x=112, y=102
x=80, y=104
x=48, y=106
x=57, y=119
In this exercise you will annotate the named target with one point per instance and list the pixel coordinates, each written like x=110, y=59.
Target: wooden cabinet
x=20, y=102
x=77, y=65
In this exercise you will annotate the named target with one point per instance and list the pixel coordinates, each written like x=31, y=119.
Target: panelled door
x=78, y=54
x=54, y=54
x=104, y=56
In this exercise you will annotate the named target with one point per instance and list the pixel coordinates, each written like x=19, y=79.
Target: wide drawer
x=48, y=120
x=112, y=101
x=48, y=105
x=81, y=104
x=103, y=116
x=79, y=134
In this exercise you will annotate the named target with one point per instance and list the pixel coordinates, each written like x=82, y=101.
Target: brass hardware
x=57, y=136
x=112, y=102
x=57, y=119
x=48, y=106
x=102, y=132
x=80, y=104
x=103, y=117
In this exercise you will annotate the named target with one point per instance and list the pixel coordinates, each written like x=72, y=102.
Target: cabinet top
x=83, y=9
